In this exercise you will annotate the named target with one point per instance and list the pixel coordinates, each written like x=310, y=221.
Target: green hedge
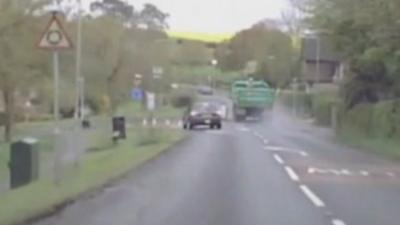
x=321, y=108
x=317, y=105
x=373, y=127
x=373, y=120
x=301, y=100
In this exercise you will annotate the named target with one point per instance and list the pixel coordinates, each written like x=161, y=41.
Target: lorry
x=251, y=98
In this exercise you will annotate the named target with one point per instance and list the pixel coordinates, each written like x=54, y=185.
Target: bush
x=182, y=100
x=302, y=101
x=321, y=107
x=373, y=120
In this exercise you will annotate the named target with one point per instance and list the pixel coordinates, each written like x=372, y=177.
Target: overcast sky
x=216, y=15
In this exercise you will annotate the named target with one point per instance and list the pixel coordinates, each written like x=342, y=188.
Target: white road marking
x=257, y=135
x=243, y=129
x=303, y=153
x=266, y=142
x=154, y=122
x=292, y=174
x=390, y=174
x=167, y=122
x=313, y=197
x=283, y=149
x=337, y=222
x=364, y=173
x=345, y=172
x=145, y=122
x=279, y=159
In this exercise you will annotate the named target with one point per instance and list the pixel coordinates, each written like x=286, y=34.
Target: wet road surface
x=278, y=172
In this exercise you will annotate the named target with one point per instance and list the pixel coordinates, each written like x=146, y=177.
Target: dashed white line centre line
x=292, y=174
x=337, y=222
x=313, y=197
x=279, y=159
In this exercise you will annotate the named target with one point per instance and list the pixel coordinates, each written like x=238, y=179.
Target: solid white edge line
x=279, y=159
x=313, y=197
x=292, y=174
x=337, y=222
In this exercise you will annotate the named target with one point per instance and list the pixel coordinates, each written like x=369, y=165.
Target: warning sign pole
x=55, y=39
x=56, y=107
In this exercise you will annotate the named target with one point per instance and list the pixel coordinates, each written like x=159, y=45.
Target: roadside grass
x=46, y=146
x=385, y=147
x=96, y=169
x=135, y=109
x=4, y=158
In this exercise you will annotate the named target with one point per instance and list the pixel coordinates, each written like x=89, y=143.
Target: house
x=320, y=63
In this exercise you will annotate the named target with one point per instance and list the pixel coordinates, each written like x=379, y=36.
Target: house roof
x=309, y=48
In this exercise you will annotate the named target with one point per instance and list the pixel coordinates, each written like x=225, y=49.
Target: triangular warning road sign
x=54, y=37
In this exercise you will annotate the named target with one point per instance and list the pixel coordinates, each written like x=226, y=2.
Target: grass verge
x=137, y=110
x=386, y=147
x=96, y=169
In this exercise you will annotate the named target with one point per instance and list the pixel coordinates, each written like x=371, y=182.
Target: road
x=280, y=172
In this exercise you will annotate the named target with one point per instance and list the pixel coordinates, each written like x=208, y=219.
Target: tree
x=127, y=48
x=19, y=61
x=153, y=18
x=116, y=8
x=150, y=15
x=366, y=33
x=191, y=53
x=271, y=49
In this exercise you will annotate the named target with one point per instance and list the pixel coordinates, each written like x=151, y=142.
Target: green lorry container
x=251, y=98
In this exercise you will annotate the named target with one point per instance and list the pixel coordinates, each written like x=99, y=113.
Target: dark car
x=204, y=114
x=205, y=90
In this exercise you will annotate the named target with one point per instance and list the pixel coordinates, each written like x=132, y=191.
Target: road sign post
x=56, y=106
x=54, y=38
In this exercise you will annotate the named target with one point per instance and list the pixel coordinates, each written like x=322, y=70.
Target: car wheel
x=219, y=126
x=191, y=126
x=212, y=126
x=185, y=127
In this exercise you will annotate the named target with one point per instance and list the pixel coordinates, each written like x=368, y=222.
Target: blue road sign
x=137, y=94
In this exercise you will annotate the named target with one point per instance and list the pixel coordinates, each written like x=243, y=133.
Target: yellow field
x=206, y=37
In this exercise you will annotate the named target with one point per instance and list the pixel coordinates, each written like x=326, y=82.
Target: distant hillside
x=197, y=36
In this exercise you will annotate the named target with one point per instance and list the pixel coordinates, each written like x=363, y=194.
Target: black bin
x=118, y=123
x=85, y=124
x=24, y=162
